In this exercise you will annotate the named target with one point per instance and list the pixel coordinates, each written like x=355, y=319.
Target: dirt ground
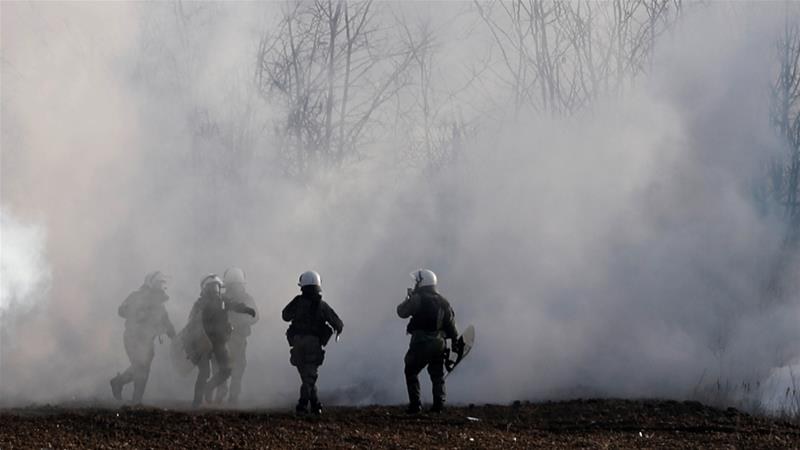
x=567, y=424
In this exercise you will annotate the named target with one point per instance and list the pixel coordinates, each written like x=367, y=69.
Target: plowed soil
x=567, y=424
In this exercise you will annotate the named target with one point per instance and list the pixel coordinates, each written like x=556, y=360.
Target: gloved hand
x=458, y=346
x=251, y=311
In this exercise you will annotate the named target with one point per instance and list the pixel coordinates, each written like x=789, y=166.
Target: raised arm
x=290, y=311
x=332, y=318
x=409, y=306
x=252, y=303
x=242, y=308
x=125, y=308
x=166, y=324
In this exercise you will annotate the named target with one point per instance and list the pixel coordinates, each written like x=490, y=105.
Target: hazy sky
x=618, y=251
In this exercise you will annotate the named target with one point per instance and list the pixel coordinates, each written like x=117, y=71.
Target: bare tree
x=331, y=66
x=429, y=120
x=785, y=115
x=560, y=55
x=174, y=50
x=777, y=188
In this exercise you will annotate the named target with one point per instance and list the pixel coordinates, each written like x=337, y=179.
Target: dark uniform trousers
x=237, y=352
x=219, y=353
x=307, y=355
x=140, y=350
x=425, y=352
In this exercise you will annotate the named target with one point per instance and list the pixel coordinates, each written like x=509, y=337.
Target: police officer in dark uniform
x=145, y=319
x=432, y=321
x=211, y=310
x=236, y=292
x=313, y=323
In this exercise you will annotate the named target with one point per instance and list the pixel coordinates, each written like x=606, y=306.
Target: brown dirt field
x=566, y=424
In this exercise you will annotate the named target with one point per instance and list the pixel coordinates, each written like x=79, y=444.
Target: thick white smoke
x=24, y=271
x=616, y=252
x=24, y=277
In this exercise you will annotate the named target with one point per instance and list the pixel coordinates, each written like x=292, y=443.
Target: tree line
x=341, y=78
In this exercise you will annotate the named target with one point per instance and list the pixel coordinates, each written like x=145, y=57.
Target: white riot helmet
x=155, y=280
x=234, y=275
x=309, y=278
x=211, y=278
x=424, y=277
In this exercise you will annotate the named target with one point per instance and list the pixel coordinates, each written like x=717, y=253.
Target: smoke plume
x=618, y=251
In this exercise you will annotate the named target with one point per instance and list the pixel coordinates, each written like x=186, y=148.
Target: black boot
x=222, y=391
x=316, y=408
x=414, y=408
x=301, y=408
x=209, y=394
x=437, y=407
x=116, y=387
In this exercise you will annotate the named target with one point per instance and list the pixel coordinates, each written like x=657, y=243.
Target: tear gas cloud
x=618, y=251
x=24, y=271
